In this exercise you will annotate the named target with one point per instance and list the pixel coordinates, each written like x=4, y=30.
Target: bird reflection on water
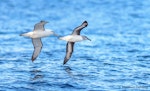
x=68, y=70
x=35, y=75
x=36, y=79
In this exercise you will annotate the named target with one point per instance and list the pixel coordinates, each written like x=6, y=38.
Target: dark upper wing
x=69, y=50
x=39, y=26
x=37, y=43
x=79, y=28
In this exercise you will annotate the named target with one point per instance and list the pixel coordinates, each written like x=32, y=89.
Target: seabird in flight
x=71, y=39
x=36, y=35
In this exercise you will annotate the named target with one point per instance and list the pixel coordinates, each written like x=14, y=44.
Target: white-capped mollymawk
x=36, y=35
x=71, y=39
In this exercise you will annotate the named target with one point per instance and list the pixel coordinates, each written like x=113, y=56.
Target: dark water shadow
x=74, y=74
x=68, y=70
x=36, y=75
x=36, y=79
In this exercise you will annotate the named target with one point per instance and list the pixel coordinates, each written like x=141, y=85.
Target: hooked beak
x=88, y=39
x=46, y=22
x=56, y=34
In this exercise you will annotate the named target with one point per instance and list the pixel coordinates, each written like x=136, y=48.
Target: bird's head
x=43, y=22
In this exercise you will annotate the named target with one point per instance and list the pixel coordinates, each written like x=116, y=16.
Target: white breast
x=38, y=34
x=72, y=38
x=41, y=34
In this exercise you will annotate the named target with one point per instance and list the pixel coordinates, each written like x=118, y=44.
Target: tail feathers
x=26, y=34
x=21, y=35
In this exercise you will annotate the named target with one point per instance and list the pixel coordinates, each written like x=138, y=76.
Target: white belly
x=38, y=34
x=72, y=38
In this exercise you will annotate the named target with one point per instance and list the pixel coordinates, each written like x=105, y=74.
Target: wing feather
x=40, y=26
x=37, y=43
x=79, y=28
x=69, y=50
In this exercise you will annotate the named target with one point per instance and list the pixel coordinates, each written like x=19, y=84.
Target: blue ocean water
x=117, y=58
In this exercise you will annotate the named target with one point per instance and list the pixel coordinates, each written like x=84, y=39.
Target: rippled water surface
x=117, y=58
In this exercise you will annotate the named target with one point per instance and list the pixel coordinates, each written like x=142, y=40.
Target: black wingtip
x=33, y=59
x=85, y=23
x=65, y=61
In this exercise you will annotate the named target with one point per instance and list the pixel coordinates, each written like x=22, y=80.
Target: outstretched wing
x=37, y=43
x=79, y=28
x=69, y=50
x=40, y=26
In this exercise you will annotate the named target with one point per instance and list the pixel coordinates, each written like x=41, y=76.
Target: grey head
x=79, y=28
x=40, y=26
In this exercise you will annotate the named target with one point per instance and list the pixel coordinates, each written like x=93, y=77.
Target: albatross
x=71, y=39
x=38, y=32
